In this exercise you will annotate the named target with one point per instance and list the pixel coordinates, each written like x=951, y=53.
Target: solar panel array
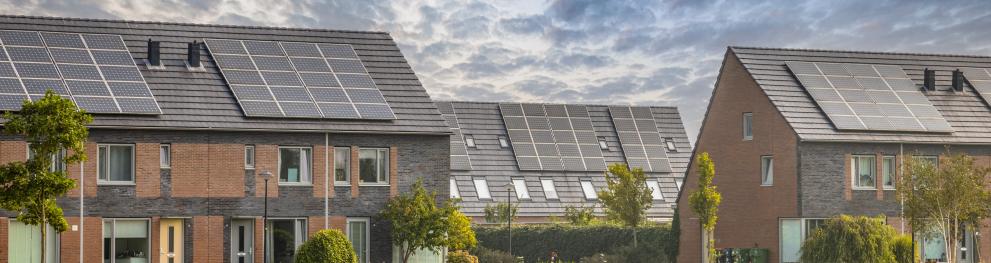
x=97, y=72
x=552, y=137
x=869, y=97
x=980, y=79
x=459, y=150
x=638, y=135
x=300, y=80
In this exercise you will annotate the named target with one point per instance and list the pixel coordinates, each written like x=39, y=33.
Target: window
x=374, y=166
x=931, y=159
x=602, y=143
x=503, y=142
x=748, y=126
x=793, y=232
x=655, y=189
x=294, y=165
x=25, y=239
x=521, y=191
x=888, y=172
x=283, y=237
x=550, y=192
x=126, y=240
x=116, y=163
x=358, y=235
x=249, y=157
x=165, y=155
x=589, y=190
x=863, y=171
x=669, y=142
x=766, y=170
x=342, y=166
x=58, y=160
x=482, y=187
x=454, y=189
x=470, y=141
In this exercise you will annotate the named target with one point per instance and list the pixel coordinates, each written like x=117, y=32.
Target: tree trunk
x=634, y=237
x=44, y=234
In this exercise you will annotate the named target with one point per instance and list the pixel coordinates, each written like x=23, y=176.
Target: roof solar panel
x=3, y=55
x=252, y=92
x=266, y=48
x=847, y=122
x=906, y=123
x=524, y=149
x=903, y=85
x=862, y=70
x=109, y=57
x=356, y=81
x=883, y=96
x=97, y=104
x=803, y=68
x=29, y=54
x=642, y=113
x=814, y=82
x=338, y=110
x=520, y=136
x=528, y=163
x=310, y=64
x=36, y=70
x=590, y=150
x=300, y=109
x=295, y=49
x=595, y=164
x=12, y=101
x=40, y=86
x=375, y=111
x=542, y=136
x=329, y=95
x=63, y=40
x=833, y=69
x=260, y=108
x=659, y=165
x=281, y=78
x=365, y=96
x=272, y=63
x=88, y=88
x=511, y=109
x=569, y=150
x=76, y=56
x=129, y=89
x=546, y=149
x=114, y=42
x=243, y=77
x=137, y=105
x=844, y=83
x=73, y=71
x=291, y=94
x=319, y=80
x=891, y=72
x=117, y=73
x=7, y=70
x=21, y=38
x=872, y=83
x=555, y=110
x=337, y=51
x=234, y=61
x=11, y=86
x=573, y=164
x=558, y=123
x=825, y=95
x=551, y=163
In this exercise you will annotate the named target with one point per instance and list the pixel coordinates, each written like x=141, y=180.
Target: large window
x=793, y=232
x=550, y=192
x=748, y=126
x=888, y=172
x=482, y=188
x=284, y=236
x=25, y=240
x=58, y=160
x=864, y=171
x=342, y=166
x=655, y=190
x=766, y=170
x=125, y=240
x=374, y=166
x=521, y=191
x=295, y=165
x=930, y=159
x=358, y=235
x=589, y=190
x=116, y=163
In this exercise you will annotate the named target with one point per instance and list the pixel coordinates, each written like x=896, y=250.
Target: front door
x=171, y=240
x=242, y=240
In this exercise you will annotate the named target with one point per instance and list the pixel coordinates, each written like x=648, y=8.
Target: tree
x=418, y=223
x=626, y=197
x=51, y=126
x=500, y=213
x=579, y=215
x=705, y=203
x=328, y=245
x=460, y=236
x=855, y=239
x=943, y=200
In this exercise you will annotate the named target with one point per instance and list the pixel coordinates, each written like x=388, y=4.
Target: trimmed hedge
x=328, y=245
x=535, y=242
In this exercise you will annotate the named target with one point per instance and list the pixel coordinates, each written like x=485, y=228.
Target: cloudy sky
x=589, y=51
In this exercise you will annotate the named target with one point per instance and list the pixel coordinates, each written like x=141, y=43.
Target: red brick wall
x=90, y=170
x=259, y=235
x=267, y=159
x=319, y=153
x=226, y=170
x=314, y=224
x=393, y=171
x=147, y=170
x=221, y=166
x=3, y=239
x=93, y=231
x=189, y=170
x=208, y=239
x=339, y=223
x=13, y=151
x=156, y=230
x=354, y=171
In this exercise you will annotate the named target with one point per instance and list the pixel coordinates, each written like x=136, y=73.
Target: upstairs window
x=373, y=166
x=115, y=163
x=249, y=157
x=342, y=165
x=669, y=143
x=602, y=143
x=678, y=182
x=295, y=165
x=482, y=188
x=655, y=190
x=930, y=159
x=58, y=160
x=589, y=190
x=165, y=155
x=888, y=172
x=521, y=191
x=748, y=126
x=550, y=192
x=864, y=171
x=766, y=170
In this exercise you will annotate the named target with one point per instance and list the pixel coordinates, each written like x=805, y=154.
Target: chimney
x=929, y=79
x=154, y=53
x=957, y=80
x=193, y=55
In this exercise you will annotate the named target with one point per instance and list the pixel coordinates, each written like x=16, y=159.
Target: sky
x=661, y=53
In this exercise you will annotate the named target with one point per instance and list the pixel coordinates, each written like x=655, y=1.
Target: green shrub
x=488, y=255
x=579, y=215
x=535, y=242
x=461, y=256
x=854, y=239
x=328, y=245
x=902, y=247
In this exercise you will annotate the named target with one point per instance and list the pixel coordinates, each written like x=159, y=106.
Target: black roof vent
x=929, y=79
x=154, y=53
x=957, y=80
x=193, y=56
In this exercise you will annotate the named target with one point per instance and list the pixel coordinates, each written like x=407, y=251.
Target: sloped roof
x=497, y=165
x=202, y=100
x=967, y=113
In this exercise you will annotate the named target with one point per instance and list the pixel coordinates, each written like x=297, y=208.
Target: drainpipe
x=326, y=180
x=82, y=221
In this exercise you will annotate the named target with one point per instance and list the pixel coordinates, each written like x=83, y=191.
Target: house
x=195, y=123
x=546, y=157
x=798, y=136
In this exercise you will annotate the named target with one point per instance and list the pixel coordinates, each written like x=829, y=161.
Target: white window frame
x=347, y=165
x=470, y=141
x=855, y=168
x=249, y=157
x=655, y=190
x=503, y=142
x=303, y=179
x=550, y=191
x=888, y=171
x=165, y=155
x=589, y=190
x=767, y=170
x=748, y=126
x=522, y=192
x=384, y=169
x=934, y=158
x=482, y=188
x=113, y=236
x=803, y=232
x=669, y=143
x=107, y=181
x=603, y=145
x=455, y=193
x=368, y=234
x=299, y=224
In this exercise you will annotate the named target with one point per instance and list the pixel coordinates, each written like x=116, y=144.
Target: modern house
x=798, y=136
x=192, y=121
x=547, y=157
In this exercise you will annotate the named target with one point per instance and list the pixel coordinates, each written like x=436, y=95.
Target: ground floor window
x=283, y=237
x=793, y=232
x=125, y=240
x=26, y=240
x=358, y=235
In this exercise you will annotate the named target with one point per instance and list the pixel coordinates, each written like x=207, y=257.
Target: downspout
x=82, y=222
x=326, y=180
x=901, y=171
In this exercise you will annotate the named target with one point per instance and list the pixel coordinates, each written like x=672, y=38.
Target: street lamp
x=509, y=214
x=265, y=175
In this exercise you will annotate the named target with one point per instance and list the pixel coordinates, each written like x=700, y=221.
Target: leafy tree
x=460, y=236
x=500, y=213
x=942, y=201
x=672, y=249
x=50, y=125
x=579, y=215
x=705, y=203
x=855, y=239
x=626, y=197
x=419, y=223
x=328, y=245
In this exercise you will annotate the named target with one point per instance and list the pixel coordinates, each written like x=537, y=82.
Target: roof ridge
x=859, y=51
x=583, y=104
x=192, y=24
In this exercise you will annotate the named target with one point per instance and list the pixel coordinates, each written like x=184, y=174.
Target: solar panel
x=460, y=160
x=365, y=96
x=980, y=79
x=21, y=38
x=329, y=95
x=113, y=42
x=76, y=56
x=639, y=138
x=871, y=97
x=551, y=130
x=63, y=40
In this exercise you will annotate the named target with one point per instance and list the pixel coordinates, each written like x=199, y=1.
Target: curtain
x=304, y=165
x=28, y=243
x=120, y=163
x=791, y=239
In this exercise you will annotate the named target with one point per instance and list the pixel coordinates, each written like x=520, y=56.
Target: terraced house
x=191, y=121
x=547, y=157
x=798, y=136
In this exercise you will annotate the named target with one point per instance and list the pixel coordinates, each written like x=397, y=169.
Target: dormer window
x=470, y=141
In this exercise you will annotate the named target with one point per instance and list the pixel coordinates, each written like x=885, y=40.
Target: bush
x=579, y=216
x=488, y=255
x=902, y=247
x=854, y=239
x=535, y=242
x=461, y=256
x=328, y=245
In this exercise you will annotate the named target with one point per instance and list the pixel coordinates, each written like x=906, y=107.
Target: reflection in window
x=342, y=165
x=125, y=240
x=374, y=165
x=294, y=164
x=284, y=237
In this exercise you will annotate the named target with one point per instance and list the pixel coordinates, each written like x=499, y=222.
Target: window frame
x=165, y=156
x=748, y=126
x=303, y=180
x=522, y=192
x=548, y=184
x=301, y=224
x=384, y=169
x=767, y=170
x=455, y=192
x=855, y=168
x=655, y=190
x=347, y=164
x=56, y=239
x=503, y=142
x=58, y=160
x=484, y=185
x=603, y=145
x=113, y=236
x=368, y=234
x=470, y=141
x=99, y=161
x=803, y=232
x=892, y=172
x=670, y=145
x=589, y=191
x=249, y=157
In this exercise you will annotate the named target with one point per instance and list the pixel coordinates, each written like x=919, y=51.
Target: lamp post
x=509, y=214
x=265, y=175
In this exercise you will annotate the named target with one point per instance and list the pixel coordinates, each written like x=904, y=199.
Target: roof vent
x=957, y=80
x=193, y=57
x=929, y=79
x=154, y=60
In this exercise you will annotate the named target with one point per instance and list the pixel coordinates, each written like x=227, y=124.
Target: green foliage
x=853, y=239
x=944, y=199
x=579, y=215
x=626, y=196
x=418, y=223
x=500, y=213
x=461, y=256
x=495, y=256
x=672, y=250
x=328, y=245
x=536, y=242
x=903, y=247
x=705, y=201
x=50, y=125
x=460, y=236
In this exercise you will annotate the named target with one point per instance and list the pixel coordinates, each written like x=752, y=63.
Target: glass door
x=358, y=235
